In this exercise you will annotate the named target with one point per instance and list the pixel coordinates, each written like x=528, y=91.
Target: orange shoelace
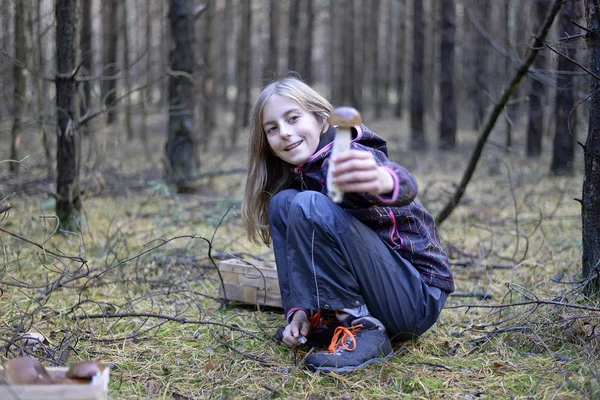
x=346, y=334
x=314, y=320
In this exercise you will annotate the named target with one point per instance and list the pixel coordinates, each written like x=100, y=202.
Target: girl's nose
x=286, y=132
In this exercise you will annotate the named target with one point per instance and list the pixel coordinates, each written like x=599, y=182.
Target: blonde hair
x=267, y=173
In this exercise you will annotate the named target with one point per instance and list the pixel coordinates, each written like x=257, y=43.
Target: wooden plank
x=94, y=391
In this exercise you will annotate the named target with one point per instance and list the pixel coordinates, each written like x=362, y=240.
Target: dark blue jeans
x=327, y=259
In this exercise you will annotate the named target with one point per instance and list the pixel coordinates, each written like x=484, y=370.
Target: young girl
x=355, y=274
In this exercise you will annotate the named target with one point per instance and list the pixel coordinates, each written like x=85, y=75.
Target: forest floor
x=137, y=288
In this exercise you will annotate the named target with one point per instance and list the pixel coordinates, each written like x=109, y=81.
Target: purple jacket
x=399, y=219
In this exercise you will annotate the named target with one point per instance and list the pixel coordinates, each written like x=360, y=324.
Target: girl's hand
x=300, y=325
x=357, y=171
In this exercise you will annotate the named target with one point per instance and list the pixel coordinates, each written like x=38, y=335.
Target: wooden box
x=94, y=391
x=253, y=283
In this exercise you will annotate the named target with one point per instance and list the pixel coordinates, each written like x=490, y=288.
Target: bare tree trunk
x=271, y=68
x=565, y=131
x=242, y=107
x=293, y=28
x=358, y=58
x=307, y=42
x=208, y=105
x=7, y=89
x=19, y=83
x=110, y=16
x=479, y=90
x=347, y=52
x=37, y=56
x=68, y=154
x=377, y=80
x=400, y=57
x=146, y=94
x=86, y=57
x=225, y=77
x=388, y=44
x=417, y=135
x=448, y=100
x=181, y=147
x=590, y=211
x=535, y=125
x=335, y=53
x=127, y=70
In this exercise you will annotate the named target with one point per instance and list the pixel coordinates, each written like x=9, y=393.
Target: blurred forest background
x=123, y=130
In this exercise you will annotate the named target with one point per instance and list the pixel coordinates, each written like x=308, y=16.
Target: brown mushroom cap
x=26, y=371
x=85, y=370
x=345, y=117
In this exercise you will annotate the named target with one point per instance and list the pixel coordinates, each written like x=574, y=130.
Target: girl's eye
x=294, y=118
x=271, y=129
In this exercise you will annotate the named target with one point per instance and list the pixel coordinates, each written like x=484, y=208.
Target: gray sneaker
x=363, y=343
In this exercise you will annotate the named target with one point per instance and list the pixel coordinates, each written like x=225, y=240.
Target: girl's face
x=292, y=132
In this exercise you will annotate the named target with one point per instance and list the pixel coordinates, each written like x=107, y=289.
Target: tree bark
x=565, y=128
x=19, y=83
x=129, y=133
x=590, y=211
x=400, y=57
x=535, y=125
x=417, y=135
x=208, y=87
x=448, y=100
x=225, y=76
x=271, y=67
x=293, y=28
x=181, y=147
x=109, y=44
x=68, y=154
x=307, y=42
x=86, y=57
x=242, y=107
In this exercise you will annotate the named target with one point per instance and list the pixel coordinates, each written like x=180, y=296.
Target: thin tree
x=68, y=152
x=271, y=66
x=306, y=69
x=590, y=210
x=85, y=37
x=242, y=107
x=347, y=53
x=565, y=129
x=110, y=14
x=535, y=125
x=293, y=39
x=448, y=100
x=400, y=57
x=37, y=56
x=479, y=90
x=376, y=78
x=208, y=84
x=19, y=65
x=181, y=147
x=126, y=68
x=417, y=134
x=226, y=33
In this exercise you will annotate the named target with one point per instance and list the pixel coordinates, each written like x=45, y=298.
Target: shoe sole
x=344, y=370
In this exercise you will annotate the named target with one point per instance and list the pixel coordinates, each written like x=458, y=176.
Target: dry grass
x=146, y=299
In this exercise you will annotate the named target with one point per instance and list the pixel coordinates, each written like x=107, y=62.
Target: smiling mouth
x=293, y=146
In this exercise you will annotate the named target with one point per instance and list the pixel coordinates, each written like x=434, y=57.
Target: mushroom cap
x=85, y=370
x=26, y=371
x=345, y=117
